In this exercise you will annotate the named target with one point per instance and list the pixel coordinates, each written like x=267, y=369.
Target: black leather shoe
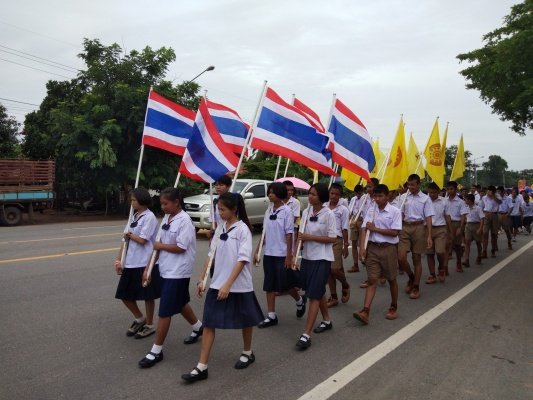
x=303, y=343
x=300, y=311
x=147, y=363
x=249, y=359
x=192, y=338
x=323, y=327
x=268, y=322
x=191, y=378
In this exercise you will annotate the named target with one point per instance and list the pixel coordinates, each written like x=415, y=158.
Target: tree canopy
x=8, y=134
x=92, y=125
x=502, y=70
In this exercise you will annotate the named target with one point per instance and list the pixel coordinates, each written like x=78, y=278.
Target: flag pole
x=249, y=136
x=277, y=168
x=286, y=167
x=335, y=166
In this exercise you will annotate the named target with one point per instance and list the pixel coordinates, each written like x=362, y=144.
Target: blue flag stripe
x=164, y=123
x=353, y=142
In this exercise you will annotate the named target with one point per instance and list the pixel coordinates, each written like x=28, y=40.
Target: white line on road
x=341, y=378
x=95, y=227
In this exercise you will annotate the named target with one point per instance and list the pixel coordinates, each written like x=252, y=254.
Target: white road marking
x=95, y=227
x=341, y=378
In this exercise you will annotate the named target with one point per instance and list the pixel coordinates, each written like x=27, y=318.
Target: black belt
x=382, y=244
x=413, y=222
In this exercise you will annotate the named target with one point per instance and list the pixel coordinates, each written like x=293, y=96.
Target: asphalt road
x=63, y=333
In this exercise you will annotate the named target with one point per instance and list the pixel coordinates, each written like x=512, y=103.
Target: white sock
x=149, y=326
x=326, y=322
x=156, y=350
x=201, y=367
x=141, y=319
x=305, y=336
x=271, y=315
x=197, y=326
x=245, y=359
x=300, y=302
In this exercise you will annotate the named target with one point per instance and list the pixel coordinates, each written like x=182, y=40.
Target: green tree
x=502, y=70
x=92, y=125
x=493, y=170
x=9, y=128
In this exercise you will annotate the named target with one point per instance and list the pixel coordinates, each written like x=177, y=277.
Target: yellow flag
x=433, y=154
x=380, y=159
x=443, y=148
x=396, y=172
x=414, y=159
x=350, y=179
x=459, y=163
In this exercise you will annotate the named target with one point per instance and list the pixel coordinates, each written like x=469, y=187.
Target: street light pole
x=210, y=68
x=475, y=168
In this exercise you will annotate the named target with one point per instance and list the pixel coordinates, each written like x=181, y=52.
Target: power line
x=39, y=34
x=37, y=69
x=46, y=61
x=21, y=102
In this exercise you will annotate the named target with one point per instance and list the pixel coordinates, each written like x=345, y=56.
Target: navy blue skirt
x=130, y=285
x=237, y=311
x=314, y=276
x=174, y=296
x=277, y=277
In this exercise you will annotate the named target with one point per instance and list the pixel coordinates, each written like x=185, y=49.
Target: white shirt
x=475, y=214
x=528, y=209
x=294, y=205
x=214, y=214
x=181, y=233
x=276, y=231
x=490, y=204
x=517, y=205
x=506, y=205
x=417, y=207
x=138, y=255
x=355, y=203
x=237, y=247
x=455, y=208
x=388, y=218
x=325, y=225
x=344, y=202
x=439, y=206
x=341, y=217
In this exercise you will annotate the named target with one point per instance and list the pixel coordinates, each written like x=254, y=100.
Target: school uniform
x=137, y=258
x=456, y=208
x=473, y=220
x=517, y=209
x=241, y=308
x=176, y=269
x=317, y=257
x=490, y=208
x=277, y=224
x=353, y=207
x=503, y=210
x=382, y=250
x=528, y=215
x=439, y=229
x=294, y=204
x=416, y=208
x=341, y=220
x=214, y=214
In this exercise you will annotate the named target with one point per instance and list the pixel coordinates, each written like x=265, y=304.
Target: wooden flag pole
x=155, y=254
x=277, y=168
x=367, y=232
x=299, y=245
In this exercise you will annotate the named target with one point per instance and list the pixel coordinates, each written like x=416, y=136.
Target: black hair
x=501, y=188
x=375, y=181
x=492, y=188
x=321, y=190
x=224, y=180
x=434, y=186
x=143, y=196
x=288, y=183
x=336, y=186
x=279, y=189
x=173, y=194
x=414, y=177
x=358, y=188
x=381, y=188
x=451, y=184
x=235, y=202
x=470, y=197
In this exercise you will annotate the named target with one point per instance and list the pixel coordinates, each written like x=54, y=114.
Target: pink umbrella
x=297, y=182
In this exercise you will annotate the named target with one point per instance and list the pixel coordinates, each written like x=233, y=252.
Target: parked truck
x=25, y=186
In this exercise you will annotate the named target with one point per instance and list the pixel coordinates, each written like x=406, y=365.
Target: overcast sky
x=382, y=58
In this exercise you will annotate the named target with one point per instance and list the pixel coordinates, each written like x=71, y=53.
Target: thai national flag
x=207, y=156
x=286, y=131
x=351, y=145
x=168, y=125
x=233, y=129
x=313, y=116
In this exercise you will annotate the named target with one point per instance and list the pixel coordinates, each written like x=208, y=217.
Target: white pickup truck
x=254, y=192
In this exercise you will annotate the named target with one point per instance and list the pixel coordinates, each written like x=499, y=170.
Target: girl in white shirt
x=177, y=250
x=318, y=236
x=230, y=302
x=140, y=235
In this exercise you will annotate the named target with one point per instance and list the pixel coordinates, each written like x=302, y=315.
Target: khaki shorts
x=439, y=236
x=504, y=221
x=458, y=241
x=471, y=229
x=492, y=223
x=413, y=238
x=354, y=232
x=337, y=254
x=381, y=259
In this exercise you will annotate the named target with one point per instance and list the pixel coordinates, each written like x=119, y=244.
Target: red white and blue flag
x=351, y=144
x=207, y=156
x=313, y=116
x=233, y=129
x=286, y=131
x=168, y=125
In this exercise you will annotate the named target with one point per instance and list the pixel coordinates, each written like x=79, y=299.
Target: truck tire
x=12, y=216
